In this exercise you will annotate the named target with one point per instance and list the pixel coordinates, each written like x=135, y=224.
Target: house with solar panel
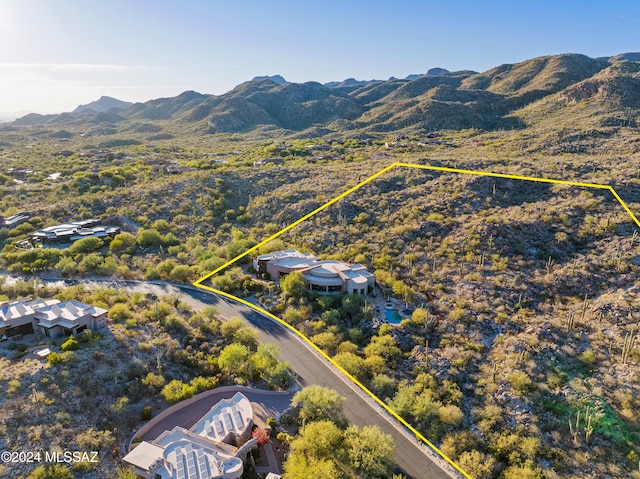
x=215, y=447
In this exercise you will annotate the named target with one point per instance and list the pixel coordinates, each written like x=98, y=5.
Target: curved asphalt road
x=310, y=368
x=313, y=369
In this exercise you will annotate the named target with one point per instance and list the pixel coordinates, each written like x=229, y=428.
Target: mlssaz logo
x=70, y=457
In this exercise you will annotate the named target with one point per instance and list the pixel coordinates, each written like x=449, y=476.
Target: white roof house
x=186, y=455
x=227, y=420
x=69, y=317
x=202, y=452
x=323, y=276
x=49, y=317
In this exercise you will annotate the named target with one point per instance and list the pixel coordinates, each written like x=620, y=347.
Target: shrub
x=86, y=245
x=147, y=413
x=477, y=464
x=147, y=238
x=176, y=391
x=200, y=384
x=56, y=471
x=154, y=382
x=71, y=344
x=261, y=436
x=119, y=312
x=520, y=381
x=451, y=415
x=181, y=273
x=54, y=358
x=384, y=386
x=353, y=364
x=92, y=440
x=588, y=358
x=13, y=387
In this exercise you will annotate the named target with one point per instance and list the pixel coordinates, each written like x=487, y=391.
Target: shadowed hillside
x=583, y=91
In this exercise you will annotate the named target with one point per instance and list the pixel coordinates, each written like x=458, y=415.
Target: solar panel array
x=179, y=467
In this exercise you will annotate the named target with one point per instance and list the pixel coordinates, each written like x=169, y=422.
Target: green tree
x=298, y=466
x=384, y=346
x=318, y=403
x=176, y=391
x=353, y=364
x=370, y=451
x=91, y=262
x=318, y=440
x=67, y=266
x=279, y=376
x=247, y=336
x=477, y=464
x=201, y=384
x=234, y=359
x=376, y=365
x=383, y=386
x=86, y=245
x=294, y=285
x=265, y=357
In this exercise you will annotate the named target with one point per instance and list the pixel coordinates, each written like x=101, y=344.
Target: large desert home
x=323, y=276
x=68, y=233
x=214, y=448
x=49, y=317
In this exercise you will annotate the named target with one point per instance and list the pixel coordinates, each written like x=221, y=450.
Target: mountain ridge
x=505, y=96
x=103, y=104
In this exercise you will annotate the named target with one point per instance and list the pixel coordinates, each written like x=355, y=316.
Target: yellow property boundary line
x=199, y=284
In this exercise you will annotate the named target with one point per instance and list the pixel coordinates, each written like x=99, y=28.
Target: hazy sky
x=57, y=54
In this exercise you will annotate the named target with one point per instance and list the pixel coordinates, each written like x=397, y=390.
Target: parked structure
x=214, y=448
x=323, y=276
x=70, y=232
x=14, y=220
x=49, y=317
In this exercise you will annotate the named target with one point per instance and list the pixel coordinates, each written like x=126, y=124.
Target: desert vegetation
x=518, y=354
x=155, y=352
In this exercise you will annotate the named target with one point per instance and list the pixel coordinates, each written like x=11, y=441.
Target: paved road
x=312, y=369
x=308, y=366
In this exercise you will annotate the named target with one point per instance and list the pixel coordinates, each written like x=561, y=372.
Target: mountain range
x=598, y=92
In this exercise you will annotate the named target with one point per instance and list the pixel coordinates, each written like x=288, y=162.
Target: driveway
x=187, y=413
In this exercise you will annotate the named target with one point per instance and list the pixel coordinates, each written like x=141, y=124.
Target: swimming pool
x=392, y=316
